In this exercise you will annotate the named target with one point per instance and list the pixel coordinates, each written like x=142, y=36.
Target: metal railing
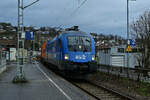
x=139, y=74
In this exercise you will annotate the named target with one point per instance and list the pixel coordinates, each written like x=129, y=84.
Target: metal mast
x=20, y=47
x=128, y=43
x=20, y=76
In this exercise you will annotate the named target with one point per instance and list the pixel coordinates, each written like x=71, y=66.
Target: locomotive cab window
x=79, y=43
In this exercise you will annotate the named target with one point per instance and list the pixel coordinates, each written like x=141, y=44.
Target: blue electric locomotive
x=72, y=52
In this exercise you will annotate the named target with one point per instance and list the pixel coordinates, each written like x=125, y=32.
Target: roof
x=68, y=33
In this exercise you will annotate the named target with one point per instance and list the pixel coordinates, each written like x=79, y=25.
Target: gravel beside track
x=98, y=92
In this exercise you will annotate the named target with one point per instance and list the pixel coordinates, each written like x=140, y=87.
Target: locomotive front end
x=79, y=56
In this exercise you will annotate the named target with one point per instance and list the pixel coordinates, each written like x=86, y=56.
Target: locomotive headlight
x=93, y=57
x=66, y=56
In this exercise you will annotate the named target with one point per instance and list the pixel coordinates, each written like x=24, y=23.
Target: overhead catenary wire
x=64, y=10
x=80, y=5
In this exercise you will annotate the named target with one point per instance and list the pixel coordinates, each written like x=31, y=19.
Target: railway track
x=100, y=92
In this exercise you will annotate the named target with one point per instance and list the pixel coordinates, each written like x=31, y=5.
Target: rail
x=100, y=92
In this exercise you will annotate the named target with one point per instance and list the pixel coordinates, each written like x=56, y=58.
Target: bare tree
x=141, y=29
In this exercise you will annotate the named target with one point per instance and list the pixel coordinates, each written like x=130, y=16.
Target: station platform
x=42, y=84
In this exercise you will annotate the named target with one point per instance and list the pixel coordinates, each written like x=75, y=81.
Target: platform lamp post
x=20, y=77
x=128, y=42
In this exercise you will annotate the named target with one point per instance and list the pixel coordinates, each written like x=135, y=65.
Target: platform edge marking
x=53, y=82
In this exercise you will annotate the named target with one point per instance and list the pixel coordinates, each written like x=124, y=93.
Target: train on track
x=72, y=53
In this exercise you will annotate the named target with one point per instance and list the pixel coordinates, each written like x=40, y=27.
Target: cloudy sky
x=101, y=16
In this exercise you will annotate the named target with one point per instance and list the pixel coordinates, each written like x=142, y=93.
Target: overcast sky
x=101, y=16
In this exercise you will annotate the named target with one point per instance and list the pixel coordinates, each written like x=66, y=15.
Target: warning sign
x=128, y=49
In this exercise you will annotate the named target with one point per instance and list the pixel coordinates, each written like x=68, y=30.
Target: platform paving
x=42, y=85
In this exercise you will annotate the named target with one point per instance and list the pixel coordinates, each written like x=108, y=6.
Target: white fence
x=2, y=61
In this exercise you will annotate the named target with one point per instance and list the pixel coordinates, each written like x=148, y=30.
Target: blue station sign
x=29, y=35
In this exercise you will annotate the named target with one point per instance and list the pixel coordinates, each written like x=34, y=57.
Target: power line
x=64, y=10
x=82, y=3
x=78, y=7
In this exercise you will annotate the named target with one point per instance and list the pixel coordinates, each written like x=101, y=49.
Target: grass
x=144, y=89
x=140, y=88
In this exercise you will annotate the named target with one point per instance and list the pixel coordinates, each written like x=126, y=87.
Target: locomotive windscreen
x=79, y=43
